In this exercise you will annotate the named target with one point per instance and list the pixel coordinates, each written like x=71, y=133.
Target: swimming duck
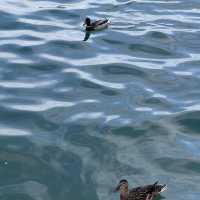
x=147, y=192
x=96, y=25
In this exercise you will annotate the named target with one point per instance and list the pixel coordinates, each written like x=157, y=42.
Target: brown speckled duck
x=147, y=192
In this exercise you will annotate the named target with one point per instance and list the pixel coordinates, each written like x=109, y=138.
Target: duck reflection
x=87, y=35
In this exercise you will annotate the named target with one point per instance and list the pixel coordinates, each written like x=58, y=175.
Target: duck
x=96, y=25
x=147, y=192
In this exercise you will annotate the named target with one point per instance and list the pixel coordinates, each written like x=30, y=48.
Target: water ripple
x=28, y=85
x=80, y=115
x=90, y=78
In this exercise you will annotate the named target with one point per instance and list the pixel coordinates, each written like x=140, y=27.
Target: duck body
x=147, y=192
x=96, y=25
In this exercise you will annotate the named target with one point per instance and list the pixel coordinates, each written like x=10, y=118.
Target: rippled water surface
x=77, y=116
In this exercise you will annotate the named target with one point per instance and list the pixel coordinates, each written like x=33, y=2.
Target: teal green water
x=76, y=117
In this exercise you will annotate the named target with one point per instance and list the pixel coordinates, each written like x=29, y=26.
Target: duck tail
x=108, y=21
x=159, y=188
x=163, y=188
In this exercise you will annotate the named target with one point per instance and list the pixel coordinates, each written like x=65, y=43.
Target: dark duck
x=96, y=25
x=147, y=192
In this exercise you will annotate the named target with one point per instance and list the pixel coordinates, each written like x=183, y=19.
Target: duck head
x=122, y=187
x=87, y=21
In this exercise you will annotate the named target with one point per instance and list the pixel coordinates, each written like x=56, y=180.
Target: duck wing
x=141, y=193
x=99, y=22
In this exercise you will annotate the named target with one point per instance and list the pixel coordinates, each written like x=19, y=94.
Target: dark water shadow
x=189, y=121
x=179, y=165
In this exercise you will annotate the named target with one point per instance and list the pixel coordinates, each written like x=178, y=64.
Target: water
x=76, y=116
